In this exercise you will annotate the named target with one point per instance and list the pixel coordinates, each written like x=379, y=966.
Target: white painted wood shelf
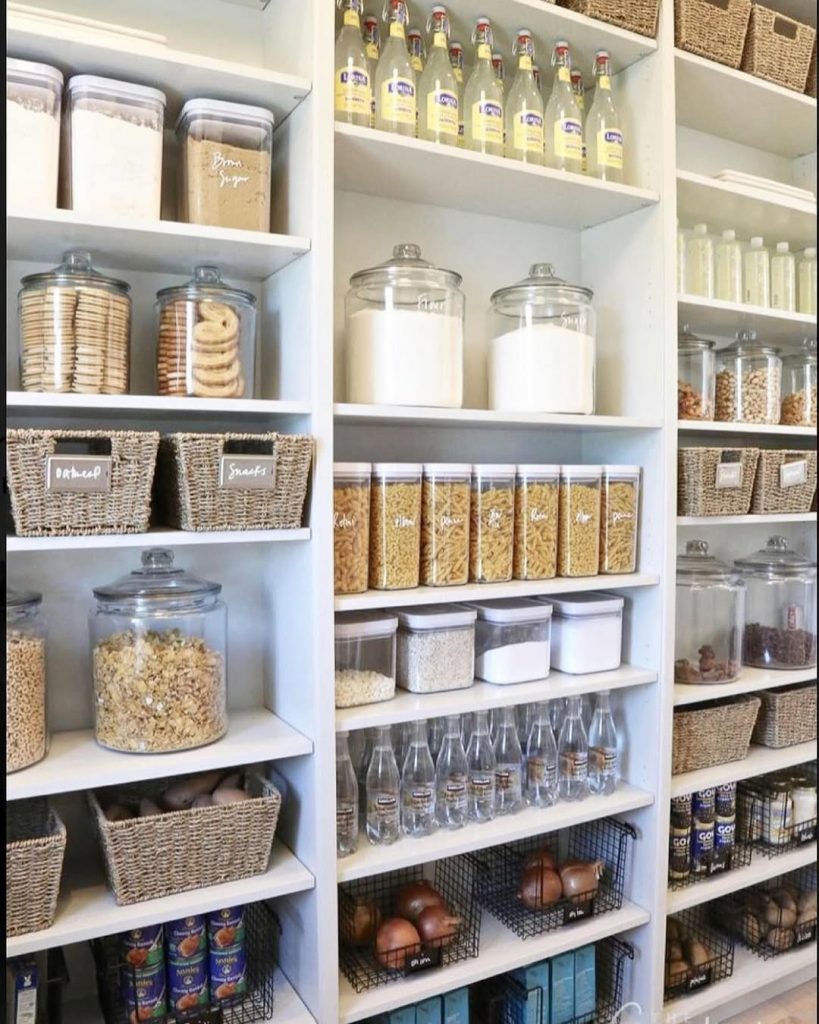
x=746, y=429
x=147, y=407
x=749, y=520
x=760, y=761
x=403, y=416
x=714, y=318
x=287, y=1007
x=154, y=537
x=751, y=680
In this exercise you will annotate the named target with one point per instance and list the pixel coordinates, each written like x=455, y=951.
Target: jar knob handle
x=542, y=270
x=158, y=559
x=696, y=547
x=77, y=260
x=777, y=544
x=407, y=251
x=206, y=274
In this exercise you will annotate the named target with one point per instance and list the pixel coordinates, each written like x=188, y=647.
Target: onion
x=437, y=927
x=780, y=939
x=414, y=898
x=539, y=859
x=751, y=929
x=147, y=808
x=118, y=812
x=396, y=941
x=780, y=917
x=580, y=880
x=539, y=888
x=673, y=951
x=360, y=923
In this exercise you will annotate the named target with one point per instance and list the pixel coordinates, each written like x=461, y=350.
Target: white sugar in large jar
x=543, y=347
x=405, y=333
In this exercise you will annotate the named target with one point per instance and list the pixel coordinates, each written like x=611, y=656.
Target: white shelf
x=386, y=415
x=75, y=760
x=379, y=163
x=714, y=318
x=759, y=870
x=146, y=407
x=87, y=912
x=721, y=205
x=172, y=538
x=500, y=951
x=760, y=761
x=749, y=520
x=156, y=246
x=736, y=106
x=751, y=680
x=375, y=860
x=287, y=1007
x=747, y=429
x=484, y=591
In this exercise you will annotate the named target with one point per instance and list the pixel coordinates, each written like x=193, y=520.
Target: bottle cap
x=757, y=242
x=729, y=235
x=810, y=252
x=782, y=247
x=700, y=229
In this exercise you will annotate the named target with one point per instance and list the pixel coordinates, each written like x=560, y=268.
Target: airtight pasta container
x=395, y=526
x=587, y=632
x=512, y=640
x=436, y=648
x=492, y=524
x=351, y=526
x=579, y=521
x=365, y=658
x=619, y=519
x=445, y=525
x=26, y=733
x=536, y=508
x=33, y=100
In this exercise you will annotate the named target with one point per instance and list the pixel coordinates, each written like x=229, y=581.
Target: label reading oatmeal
x=78, y=473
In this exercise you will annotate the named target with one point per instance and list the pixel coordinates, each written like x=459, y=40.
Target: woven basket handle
x=784, y=26
x=80, y=445
x=261, y=446
x=723, y=5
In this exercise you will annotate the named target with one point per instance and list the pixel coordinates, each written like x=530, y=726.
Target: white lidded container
x=113, y=139
x=587, y=632
x=365, y=658
x=34, y=95
x=436, y=648
x=512, y=640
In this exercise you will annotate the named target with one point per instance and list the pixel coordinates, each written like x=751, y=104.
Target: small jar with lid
x=75, y=330
x=799, y=386
x=536, y=518
x=404, y=333
x=780, y=615
x=619, y=519
x=749, y=382
x=445, y=525
x=159, y=654
x=696, y=377
x=26, y=728
x=777, y=812
x=351, y=526
x=436, y=648
x=710, y=616
x=206, y=338
x=803, y=798
x=395, y=525
x=365, y=658
x=492, y=524
x=34, y=94
x=227, y=159
x=578, y=549
x=543, y=348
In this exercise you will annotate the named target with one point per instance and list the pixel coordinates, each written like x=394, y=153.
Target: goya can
x=143, y=947
x=188, y=985
x=726, y=800
x=704, y=806
x=144, y=992
x=725, y=832
x=186, y=937
x=226, y=928
x=702, y=847
x=681, y=815
x=228, y=974
x=679, y=854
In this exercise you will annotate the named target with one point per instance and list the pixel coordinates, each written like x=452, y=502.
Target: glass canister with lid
x=748, y=382
x=696, y=377
x=75, y=329
x=780, y=616
x=404, y=333
x=34, y=95
x=159, y=653
x=710, y=617
x=26, y=730
x=543, y=348
x=799, y=386
x=206, y=338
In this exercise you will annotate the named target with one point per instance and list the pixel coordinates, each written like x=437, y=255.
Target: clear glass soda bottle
x=346, y=799
x=418, y=784
x=383, y=791
x=361, y=752
x=538, y=76
x=435, y=735
x=541, y=760
x=573, y=754
x=451, y=778
x=372, y=45
x=508, y=765
x=400, y=741
x=395, y=80
x=524, y=107
x=466, y=728
x=604, y=127
x=438, y=113
x=456, y=61
x=483, y=98
x=353, y=84
x=563, y=128
x=602, y=748
x=480, y=761
x=580, y=96
x=557, y=712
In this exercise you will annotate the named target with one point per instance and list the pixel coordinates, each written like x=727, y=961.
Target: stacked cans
x=142, y=974
x=227, y=955
x=703, y=832
x=187, y=959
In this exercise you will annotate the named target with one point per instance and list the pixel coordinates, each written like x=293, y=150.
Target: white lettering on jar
x=220, y=163
x=402, y=521
x=341, y=521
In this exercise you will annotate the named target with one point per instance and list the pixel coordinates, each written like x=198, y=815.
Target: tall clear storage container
x=619, y=519
x=395, y=526
x=34, y=95
x=748, y=382
x=351, y=526
x=696, y=377
x=578, y=552
x=365, y=658
x=710, y=617
x=445, y=524
x=536, y=518
x=799, y=386
x=492, y=524
x=780, y=616
x=26, y=729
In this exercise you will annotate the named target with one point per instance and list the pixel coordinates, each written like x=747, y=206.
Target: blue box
x=562, y=988
x=456, y=1007
x=406, y=1015
x=429, y=1011
x=22, y=981
x=585, y=981
x=535, y=979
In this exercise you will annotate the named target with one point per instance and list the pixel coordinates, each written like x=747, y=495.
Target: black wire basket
x=454, y=880
x=766, y=822
x=711, y=961
x=718, y=862
x=500, y=871
x=261, y=931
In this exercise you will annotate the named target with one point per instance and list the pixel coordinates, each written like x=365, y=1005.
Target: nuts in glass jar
x=25, y=700
x=752, y=397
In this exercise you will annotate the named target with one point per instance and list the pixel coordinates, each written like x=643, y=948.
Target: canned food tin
x=144, y=992
x=726, y=800
x=704, y=806
x=725, y=831
x=702, y=848
x=228, y=974
x=681, y=811
x=186, y=937
x=226, y=928
x=188, y=985
x=679, y=854
x=143, y=947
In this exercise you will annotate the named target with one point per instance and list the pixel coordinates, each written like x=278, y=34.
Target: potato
x=673, y=931
x=780, y=939
x=784, y=898
x=203, y=800
x=780, y=917
x=147, y=808
x=229, y=796
x=181, y=795
x=232, y=781
x=807, y=902
x=751, y=928
x=698, y=954
x=673, y=951
x=675, y=973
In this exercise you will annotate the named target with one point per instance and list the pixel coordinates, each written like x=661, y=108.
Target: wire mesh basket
x=718, y=862
x=768, y=818
x=500, y=871
x=454, y=880
x=697, y=955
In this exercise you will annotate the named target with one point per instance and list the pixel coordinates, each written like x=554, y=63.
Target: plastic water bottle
x=541, y=760
x=383, y=792
x=418, y=784
x=451, y=778
x=480, y=760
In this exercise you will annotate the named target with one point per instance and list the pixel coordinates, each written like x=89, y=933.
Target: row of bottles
x=399, y=88
x=473, y=767
x=726, y=269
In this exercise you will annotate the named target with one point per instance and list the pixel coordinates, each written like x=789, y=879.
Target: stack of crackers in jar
x=198, y=350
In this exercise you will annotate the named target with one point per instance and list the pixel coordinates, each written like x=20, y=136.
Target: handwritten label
x=791, y=474
x=341, y=521
x=698, y=979
x=79, y=474
x=577, y=911
x=225, y=166
x=423, y=961
x=247, y=472
x=729, y=476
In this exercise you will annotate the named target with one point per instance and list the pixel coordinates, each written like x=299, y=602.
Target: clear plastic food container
x=395, y=526
x=512, y=640
x=113, y=165
x=159, y=653
x=587, y=632
x=748, y=382
x=351, y=526
x=579, y=523
x=75, y=330
x=696, y=377
x=492, y=524
x=799, y=386
x=536, y=518
x=445, y=525
x=26, y=729
x=34, y=94
x=227, y=157
x=206, y=338
x=619, y=519
x=436, y=648
x=365, y=658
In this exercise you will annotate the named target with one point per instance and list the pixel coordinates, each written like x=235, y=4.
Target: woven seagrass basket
x=35, y=845
x=787, y=716
x=712, y=735
x=638, y=16
x=770, y=496
x=697, y=491
x=810, y=88
x=715, y=29
x=778, y=48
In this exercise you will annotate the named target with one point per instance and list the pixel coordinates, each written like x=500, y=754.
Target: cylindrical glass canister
x=26, y=720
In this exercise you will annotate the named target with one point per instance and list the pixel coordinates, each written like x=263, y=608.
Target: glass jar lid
x=541, y=287
x=75, y=270
x=748, y=345
x=688, y=342
x=20, y=600
x=158, y=581
x=776, y=559
x=406, y=269
x=806, y=356
x=206, y=283
x=697, y=563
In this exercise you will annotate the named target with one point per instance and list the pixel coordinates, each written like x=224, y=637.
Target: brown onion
x=580, y=880
x=437, y=927
x=414, y=898
x=360, y=923
x=780, y=939
x=539, y=888
x=396, y=941
x=540, y=859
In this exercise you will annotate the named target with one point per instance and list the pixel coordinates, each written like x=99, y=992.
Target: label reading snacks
x=247, y=472
x=791, y=474
x=78, y=473
x=729, y=476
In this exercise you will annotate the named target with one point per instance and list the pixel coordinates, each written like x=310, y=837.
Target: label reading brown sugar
x=78, y=473
x=247, y=472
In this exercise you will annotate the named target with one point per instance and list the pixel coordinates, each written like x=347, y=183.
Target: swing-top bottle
x=563, y=128
x=395, y=84
x=353, y=85
x=483, y=98
x=604, y=127
x=524, y=107
x=438, y=90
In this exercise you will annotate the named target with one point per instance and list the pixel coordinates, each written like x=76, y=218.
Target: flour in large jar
x=542, y=368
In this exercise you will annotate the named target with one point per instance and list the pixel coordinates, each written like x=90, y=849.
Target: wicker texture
x=769, y=496
x=188, y=495
x=810, y=88
x=35, y=845
x=717, y=734
x=697, y=493
x=787, y=717
x=638, y=16
x=38, y=512
x=151, y=857
x=776, y=57
x=715, y=29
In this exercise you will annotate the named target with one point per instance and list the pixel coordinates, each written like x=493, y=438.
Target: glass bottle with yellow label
x=580, y=96
x=417, y=49
x=438, y=90
x=353, y=90
x=372, y=46
x=456, y=61
x=483, y=98
x=563, y=122
x=524, y=106
x=603, y=126
x=395, y=84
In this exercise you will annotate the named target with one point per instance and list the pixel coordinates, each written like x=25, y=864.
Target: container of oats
x=351, y=526
x=492, y=524
x=436, y=648
x=365, y=658
x=159, y=652
x=227, y=153
x=536, y=506
x=445, y=525
x=395, y=525
x=619, y=519
x=579, y=522
x=26, y=733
